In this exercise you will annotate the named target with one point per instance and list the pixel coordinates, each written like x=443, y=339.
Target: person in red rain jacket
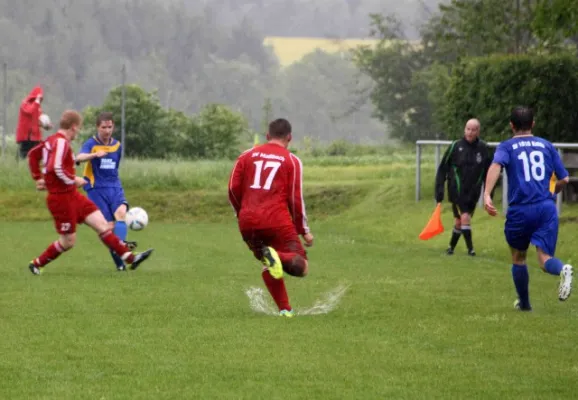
x=265, y=190
x=28, y=132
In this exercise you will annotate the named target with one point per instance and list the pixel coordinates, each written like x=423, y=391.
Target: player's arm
x=34, y=160
x=442, y=173
x=487, y=164
x=562, y=175
x=296, y=201
x=501, y=159
x=236, y=185
x=81, y=157
x=32, y=107
x=86, y=153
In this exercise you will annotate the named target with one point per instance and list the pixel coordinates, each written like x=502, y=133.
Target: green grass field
x=410, y=322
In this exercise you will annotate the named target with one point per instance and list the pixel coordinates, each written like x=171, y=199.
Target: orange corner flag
x=434, y=226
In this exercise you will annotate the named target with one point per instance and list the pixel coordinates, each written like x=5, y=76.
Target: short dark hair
x=104, y=116
x=280, y=128
x=522, y=118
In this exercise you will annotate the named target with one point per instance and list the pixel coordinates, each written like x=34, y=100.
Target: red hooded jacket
x=30, y=110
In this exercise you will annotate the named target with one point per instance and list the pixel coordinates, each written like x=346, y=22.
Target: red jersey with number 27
x=265, y=189
x=57, y=161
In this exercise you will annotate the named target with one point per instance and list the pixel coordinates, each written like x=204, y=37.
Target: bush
x=488, y=88
x=154, y=132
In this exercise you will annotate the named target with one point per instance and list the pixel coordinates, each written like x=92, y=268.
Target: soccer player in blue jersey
x=102, y=153
x=532, y=218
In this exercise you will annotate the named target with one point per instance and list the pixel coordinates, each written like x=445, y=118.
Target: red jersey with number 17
x=265, y=189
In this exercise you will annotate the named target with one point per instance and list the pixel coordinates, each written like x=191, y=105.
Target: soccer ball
x=137, y=219
x=44, y=120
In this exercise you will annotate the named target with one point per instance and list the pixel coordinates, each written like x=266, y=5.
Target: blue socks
x=553, y=266
x=121, y=231
x=521, y=281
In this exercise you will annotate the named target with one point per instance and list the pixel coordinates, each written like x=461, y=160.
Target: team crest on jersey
x=478, y=158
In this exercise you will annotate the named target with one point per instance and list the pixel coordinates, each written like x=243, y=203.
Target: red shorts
x=69, y=209
x=283, y=239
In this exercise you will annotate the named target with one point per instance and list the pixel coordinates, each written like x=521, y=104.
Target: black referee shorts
x=464, y=207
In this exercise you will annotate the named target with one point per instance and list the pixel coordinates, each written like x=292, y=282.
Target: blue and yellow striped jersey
x=102, y=172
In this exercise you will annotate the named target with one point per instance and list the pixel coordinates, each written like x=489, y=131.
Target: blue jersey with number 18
x=529, y=162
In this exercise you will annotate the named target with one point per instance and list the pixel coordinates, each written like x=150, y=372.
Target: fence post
x=4, y=106
x=417, y=171
x=122, y=110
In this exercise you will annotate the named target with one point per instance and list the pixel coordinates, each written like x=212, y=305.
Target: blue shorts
x=533, y=223
x=108, y=200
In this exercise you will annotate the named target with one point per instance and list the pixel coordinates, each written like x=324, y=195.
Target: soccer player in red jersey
x=66, y=204
x=265, y=189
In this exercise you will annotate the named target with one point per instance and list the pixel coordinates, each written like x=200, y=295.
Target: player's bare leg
x=521, y=280
x=466, y=220
x=554, y=266
x=64, y=243
x=99, y=224
x=456, y=233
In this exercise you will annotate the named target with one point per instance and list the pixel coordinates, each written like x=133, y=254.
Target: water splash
x=260, y=302
x=327, y=303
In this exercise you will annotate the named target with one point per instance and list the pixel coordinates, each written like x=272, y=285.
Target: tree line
x=477, y=58
x=185, y=53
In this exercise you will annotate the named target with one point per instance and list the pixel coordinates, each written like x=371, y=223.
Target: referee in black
x=464, y=167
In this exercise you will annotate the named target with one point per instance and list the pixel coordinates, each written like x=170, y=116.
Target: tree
x=555, y=21
x=147, y=135
x=221, y=131
x=328, y=96
x=488, y=87
x=399, y=96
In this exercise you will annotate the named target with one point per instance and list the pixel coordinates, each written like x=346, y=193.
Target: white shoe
x=565, y=287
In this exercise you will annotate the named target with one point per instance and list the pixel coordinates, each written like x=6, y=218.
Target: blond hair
x=69, y=119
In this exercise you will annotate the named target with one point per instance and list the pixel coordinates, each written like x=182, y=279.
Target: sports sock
x=521, y=281
x=554, y=266
x=115, y=244
x=120, y=230
x=456, y=233
x=277, y=290
x=51, y=253
x=467, y=231
x=293, y=263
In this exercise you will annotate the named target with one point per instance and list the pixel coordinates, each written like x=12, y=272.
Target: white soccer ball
x=44, y=120
x=137, y=218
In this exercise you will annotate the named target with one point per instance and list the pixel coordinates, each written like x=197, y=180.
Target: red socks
x=114, y=243
x=50, y=254
x=277, y=289
x=108, y=238
x=293, y=263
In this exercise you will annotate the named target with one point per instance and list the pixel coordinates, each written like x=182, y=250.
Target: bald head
x=472, y=130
